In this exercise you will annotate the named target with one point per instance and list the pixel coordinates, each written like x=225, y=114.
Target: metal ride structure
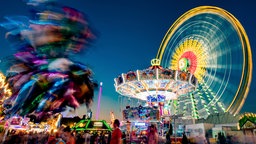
x=157, y=87
x=210, y=43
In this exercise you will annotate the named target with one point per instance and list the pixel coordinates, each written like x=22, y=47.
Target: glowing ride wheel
x=210, y=43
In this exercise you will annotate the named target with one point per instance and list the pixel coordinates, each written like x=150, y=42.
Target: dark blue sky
x=130, y=32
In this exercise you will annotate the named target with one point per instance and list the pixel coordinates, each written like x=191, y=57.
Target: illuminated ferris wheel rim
x=245, y=80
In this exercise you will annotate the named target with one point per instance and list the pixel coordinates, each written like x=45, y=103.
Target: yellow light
x=196, y=48
x=246, y=78
x=5, y=87
x=155, y=62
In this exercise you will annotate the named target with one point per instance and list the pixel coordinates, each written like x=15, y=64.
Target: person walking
x=116, y=136
x=184, y=139
x=168, y=136
x=152, y=135
x=69, y=138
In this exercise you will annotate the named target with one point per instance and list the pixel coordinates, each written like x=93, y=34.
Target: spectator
x=116, y=136
x=184, y=139
x=70, y=139
x=152, y=136
x=168, y=136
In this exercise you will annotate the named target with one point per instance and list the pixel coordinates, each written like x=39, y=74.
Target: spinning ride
x=157, y=86
x=211, y=44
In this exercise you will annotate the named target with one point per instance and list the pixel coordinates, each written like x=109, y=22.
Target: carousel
x=158, y=88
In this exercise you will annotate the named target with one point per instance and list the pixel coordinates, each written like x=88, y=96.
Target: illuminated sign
x=140, y=124
x=97, y=124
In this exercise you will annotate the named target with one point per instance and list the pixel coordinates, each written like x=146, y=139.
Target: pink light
x=161, y=110
x=99, y=97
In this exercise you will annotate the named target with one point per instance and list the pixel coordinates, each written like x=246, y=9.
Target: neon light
x=246, y=78
x=193, y=51
x=99, y=97
x=139, y=124
x=97, y=124
x=155, y=62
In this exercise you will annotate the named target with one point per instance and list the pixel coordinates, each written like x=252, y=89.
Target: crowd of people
x=64, y=135
x=20, y=137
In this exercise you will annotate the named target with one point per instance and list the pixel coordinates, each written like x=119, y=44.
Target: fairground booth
x=92, y=126
x=137, y=121
x=93, y=129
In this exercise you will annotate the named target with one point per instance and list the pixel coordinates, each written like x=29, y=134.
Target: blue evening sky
x=130, y=32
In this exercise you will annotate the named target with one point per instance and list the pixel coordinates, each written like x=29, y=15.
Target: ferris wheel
x=210, y=43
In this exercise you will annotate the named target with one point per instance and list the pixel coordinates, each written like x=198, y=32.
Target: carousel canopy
x=155, y=81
